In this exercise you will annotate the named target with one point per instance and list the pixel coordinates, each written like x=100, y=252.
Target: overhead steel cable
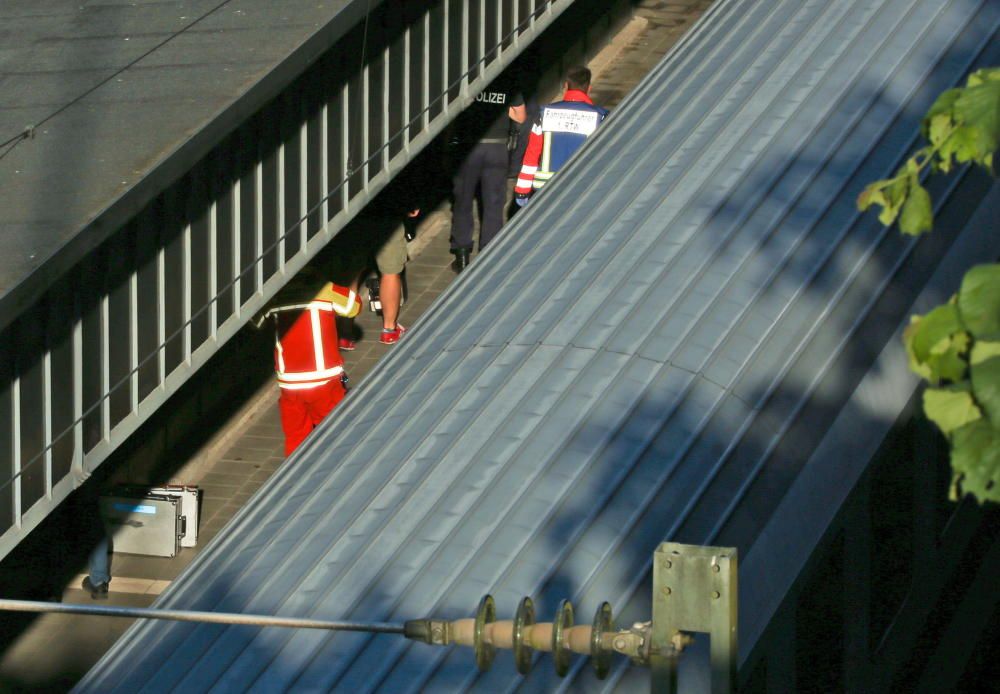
x=195, y=616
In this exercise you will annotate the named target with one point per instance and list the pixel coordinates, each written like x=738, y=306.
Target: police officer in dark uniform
x=480, y=138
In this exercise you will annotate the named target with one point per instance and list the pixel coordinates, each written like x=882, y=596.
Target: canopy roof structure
x=690, y=335
x=166, y=167
x=121, y=98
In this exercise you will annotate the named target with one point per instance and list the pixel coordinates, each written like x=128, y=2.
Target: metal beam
x=695, y=589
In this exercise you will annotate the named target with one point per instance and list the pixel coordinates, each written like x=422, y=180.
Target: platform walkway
x=55, y=650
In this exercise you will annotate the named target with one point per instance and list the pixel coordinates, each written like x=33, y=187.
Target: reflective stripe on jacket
x=306, y=354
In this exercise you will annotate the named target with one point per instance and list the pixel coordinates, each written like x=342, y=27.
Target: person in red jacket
x=307, y=359
x=557, y=133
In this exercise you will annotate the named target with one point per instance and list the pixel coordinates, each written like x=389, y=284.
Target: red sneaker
x=389, y=337
x=346, y=344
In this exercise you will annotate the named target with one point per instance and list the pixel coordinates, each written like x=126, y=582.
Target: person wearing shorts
x=379, y=233
x=390, y=259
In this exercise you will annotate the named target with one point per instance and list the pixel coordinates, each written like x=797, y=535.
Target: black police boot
x=461, y=260
x=98, y=591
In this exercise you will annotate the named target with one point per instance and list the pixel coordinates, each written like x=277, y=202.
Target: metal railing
x=116, y=336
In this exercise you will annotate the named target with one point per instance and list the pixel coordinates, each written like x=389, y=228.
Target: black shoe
x=461, y=260
x=97, y=592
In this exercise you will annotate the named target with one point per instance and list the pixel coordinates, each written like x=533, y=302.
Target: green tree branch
x=956, y=346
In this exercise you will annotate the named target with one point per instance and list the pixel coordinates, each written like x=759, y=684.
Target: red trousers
x=302, y=410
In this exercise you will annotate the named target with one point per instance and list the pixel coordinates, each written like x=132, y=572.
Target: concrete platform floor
x=52, y=652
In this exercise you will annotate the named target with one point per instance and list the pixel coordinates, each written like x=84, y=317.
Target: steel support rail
x=195, y=616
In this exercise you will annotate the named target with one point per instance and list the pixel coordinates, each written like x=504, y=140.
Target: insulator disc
x=561, y=655
x=599, y=657
x=485, y=652
x=522, y=652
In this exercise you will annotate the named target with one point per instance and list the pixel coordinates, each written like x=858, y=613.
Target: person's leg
x=99, y=564
x=99, y=570
x=464, y=189
x=493, y=190
x=390, y=293
x=295, y=420
x=391, y=259
x=323, y=399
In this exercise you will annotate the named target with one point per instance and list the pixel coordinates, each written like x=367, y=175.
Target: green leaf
x=917, y=215
x=889, y=194
x=964, y=124
x=951, y=408
x=958, y=343
x=895, y=195
x=975, y=459
x=963, y=144
x=872, y=195
x=979, y=300
x=985, y=380
x=941, y=111
x=983, y=75
x=888, y=215
x=938, y=128
x=978, y=105
x=948, y=359
x=983, y=350
x=924, y=336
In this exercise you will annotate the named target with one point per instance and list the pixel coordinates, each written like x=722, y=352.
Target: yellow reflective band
x=302, y=386
x=299, y=376
x=280, y=352
x=317, y=332
x=318, y=305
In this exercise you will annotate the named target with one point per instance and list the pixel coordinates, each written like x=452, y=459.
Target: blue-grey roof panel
x=657, y=348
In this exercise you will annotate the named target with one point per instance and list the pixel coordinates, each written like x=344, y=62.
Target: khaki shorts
x=352, y=250
x=391, y=256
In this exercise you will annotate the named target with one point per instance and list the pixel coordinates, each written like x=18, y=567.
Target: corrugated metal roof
x=125, y=97
x=679, y=339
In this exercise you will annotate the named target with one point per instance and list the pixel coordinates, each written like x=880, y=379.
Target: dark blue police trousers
x=484, y=168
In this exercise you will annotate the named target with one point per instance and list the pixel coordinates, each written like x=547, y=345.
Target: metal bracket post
x=694, y=590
